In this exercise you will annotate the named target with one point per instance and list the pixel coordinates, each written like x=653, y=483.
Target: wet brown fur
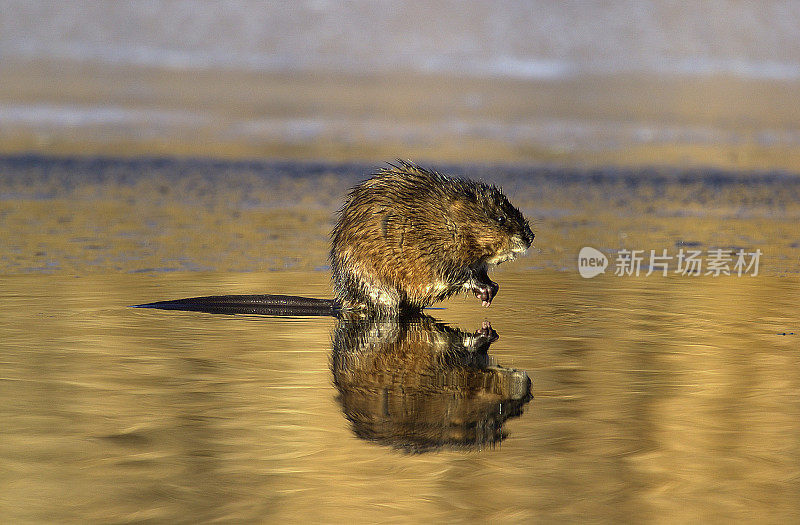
x=409, y=237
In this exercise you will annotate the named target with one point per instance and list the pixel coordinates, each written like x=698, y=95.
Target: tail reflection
x=418, y=385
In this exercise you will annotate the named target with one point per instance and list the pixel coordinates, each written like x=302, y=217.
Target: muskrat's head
x=490, y=224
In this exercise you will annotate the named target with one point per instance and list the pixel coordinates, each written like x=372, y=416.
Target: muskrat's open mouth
x=510, y=255
x=501, y=258
x=518, y=248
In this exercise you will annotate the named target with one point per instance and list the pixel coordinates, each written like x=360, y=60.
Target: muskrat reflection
x=418, y=385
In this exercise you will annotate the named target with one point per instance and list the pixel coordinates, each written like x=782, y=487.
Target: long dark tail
x=251, y=304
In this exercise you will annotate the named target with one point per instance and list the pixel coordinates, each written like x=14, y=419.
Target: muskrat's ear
x=455, y=207
x=457, y=215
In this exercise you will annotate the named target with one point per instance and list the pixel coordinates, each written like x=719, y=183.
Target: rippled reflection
x=411, y=382
x=417, y=384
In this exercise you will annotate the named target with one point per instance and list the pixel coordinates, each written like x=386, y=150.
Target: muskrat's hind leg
x=484, y=288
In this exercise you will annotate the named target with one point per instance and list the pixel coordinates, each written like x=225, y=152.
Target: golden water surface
x=655, y=399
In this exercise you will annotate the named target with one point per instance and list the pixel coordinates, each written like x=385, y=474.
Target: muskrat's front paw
x=482, y=339
x=486, y=333
x=485, y=291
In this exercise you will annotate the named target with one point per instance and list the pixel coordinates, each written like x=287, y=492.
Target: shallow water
x=655, y=399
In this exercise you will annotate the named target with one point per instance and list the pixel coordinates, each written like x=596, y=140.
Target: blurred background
x=711, y=83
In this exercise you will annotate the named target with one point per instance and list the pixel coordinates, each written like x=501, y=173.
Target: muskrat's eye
x=501, y=219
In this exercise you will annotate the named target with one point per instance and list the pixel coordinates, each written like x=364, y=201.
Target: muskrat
x=409, y=237
x=405, y=239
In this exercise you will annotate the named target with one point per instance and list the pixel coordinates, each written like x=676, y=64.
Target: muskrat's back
x=408, y=237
